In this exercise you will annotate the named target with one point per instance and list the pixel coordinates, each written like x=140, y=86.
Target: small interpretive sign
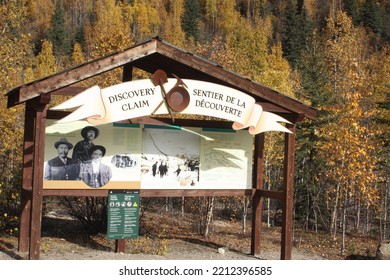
x=123, y=214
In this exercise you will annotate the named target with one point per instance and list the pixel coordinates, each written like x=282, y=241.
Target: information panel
x=123, y=214
x=121, y=156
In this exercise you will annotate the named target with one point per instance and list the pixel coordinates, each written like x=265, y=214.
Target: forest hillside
x=332, y=55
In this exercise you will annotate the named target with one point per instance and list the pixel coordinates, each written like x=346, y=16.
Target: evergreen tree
x=306, y=29
x=310, y=195
x=58, y=34
x=265, y=8
x=297, y=28
x=371, y=16
x=191, y=19
x=311, y=66
x=290, y=38
x=351, y=8
x=79, y=35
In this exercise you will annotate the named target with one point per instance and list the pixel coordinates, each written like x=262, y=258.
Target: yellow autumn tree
x=211, y=13
x=171, y=22
x=45, y=65
x=379, y=69
x=78, y=55
x=145, y=18
x=347, y=145
x=244, y=48
x=39, y=15
x=45, y=61
x=15, y=56
x=108, y=33
x=249, y=41
x=278, y=73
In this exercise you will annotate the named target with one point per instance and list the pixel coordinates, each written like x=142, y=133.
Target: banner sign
x=150, y=97
x=123, y=214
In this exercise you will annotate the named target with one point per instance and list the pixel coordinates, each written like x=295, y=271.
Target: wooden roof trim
x=65, y=79
x=235, y=80
x=84, y=71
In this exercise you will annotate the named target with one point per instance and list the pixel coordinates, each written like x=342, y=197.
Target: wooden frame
x=149, y=56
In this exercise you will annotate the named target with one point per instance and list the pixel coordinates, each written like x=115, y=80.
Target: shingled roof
x=156, y=54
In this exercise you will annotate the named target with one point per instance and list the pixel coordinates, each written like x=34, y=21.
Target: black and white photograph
x=80, y=155
x=170, y=157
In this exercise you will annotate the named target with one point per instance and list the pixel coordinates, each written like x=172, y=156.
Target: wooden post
x=257, y=204
x=38, y=160
x=127, y=74
x=120, y=245
x=288, y=192
x=26, y=191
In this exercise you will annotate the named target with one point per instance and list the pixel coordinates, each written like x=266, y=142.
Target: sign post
x=123, y=214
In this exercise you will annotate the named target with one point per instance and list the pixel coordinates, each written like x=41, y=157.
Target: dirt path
x=164, y=236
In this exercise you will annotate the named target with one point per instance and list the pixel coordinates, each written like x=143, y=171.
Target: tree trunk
x=384, y=231
x=333, y=225
x=344, y=224
x=367, y=226
x=358, y=215
x=307, y=218
x=209, y=215
x=266, y=168
x=182, y=206
x=245, y=213
x=268, y=212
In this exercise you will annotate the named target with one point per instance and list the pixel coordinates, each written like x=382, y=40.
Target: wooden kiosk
x=150, y=56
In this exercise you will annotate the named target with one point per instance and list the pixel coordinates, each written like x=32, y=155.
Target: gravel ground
x=60, y=249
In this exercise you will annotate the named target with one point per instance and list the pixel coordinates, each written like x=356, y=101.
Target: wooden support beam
x=149, y=193
x=120, y=245
x=25, y=218
x=271, y=194
x=288, y=192
x=69, y=90
x=37, y=187
x=257, y=204
x=127, y=74
x=26, y=191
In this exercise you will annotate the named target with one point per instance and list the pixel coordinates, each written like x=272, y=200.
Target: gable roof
x=156, y=54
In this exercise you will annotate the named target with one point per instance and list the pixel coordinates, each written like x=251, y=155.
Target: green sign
x=123, y=214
